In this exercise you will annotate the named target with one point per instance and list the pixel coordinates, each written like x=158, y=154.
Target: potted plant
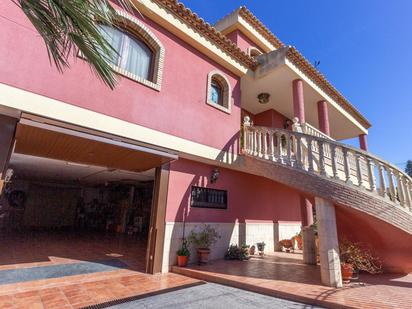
x=355, y=257
x=203, y=240
x=252, y=250
x=299, y=240
x=261, y=247
x=237, y=253
x=183, y=255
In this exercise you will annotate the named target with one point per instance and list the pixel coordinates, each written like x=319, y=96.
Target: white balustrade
x=328, y=158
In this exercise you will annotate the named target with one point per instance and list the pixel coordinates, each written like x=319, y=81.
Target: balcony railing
x=311, y=130
x=330, y=159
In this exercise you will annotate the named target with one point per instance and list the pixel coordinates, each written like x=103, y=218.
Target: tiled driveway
x=66, y=271
x=284, y=275
x=211, y=296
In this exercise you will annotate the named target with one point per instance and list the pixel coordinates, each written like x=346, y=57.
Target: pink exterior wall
x=250, y=198
x=241, y=40
x=270, y=118
x=179, y=108
x=391, y=244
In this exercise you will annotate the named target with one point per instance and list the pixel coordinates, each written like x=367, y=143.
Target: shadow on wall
x=391, y=244
x=258, y=209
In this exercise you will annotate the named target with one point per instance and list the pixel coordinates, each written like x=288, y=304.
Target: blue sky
x=365, y=50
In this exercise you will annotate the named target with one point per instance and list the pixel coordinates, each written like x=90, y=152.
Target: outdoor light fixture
x=263, y=97
x=9, y=175
x=215, y=175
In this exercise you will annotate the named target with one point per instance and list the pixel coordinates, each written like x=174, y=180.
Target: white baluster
x=279, y=146
x=248, y=139
x=299, y=152
x=359, y=170
x=310, y=155
x=272, y=146
x=371, y=175
x=391, y=184
x=346, y=165
x=254, y=142
x=382, y=182
x=321, y=158
x=400, y=188
x=265, y=144
x=333, y=160
x=259, y=143
x=408, y=196
x=288, y=149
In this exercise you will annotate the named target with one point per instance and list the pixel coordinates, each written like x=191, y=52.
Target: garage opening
x=71, y=199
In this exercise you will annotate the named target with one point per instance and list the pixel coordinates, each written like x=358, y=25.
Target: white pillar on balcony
x=329, y=246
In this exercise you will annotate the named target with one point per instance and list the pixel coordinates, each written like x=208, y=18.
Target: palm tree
x=70, y=26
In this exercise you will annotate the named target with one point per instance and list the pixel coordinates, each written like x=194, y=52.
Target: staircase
x=322, y=167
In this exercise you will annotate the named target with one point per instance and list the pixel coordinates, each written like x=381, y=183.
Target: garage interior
x=72, y=198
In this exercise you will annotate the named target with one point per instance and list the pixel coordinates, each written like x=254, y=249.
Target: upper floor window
x=132, y=55
x=218, y=91
x=139, y=54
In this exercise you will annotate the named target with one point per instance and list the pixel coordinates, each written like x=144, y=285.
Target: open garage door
x=77, y=181
x=43, y=140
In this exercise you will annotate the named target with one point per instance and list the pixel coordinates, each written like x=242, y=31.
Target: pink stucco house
x=221, y=124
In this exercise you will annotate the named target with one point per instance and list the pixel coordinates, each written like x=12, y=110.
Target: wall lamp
x=215, y=175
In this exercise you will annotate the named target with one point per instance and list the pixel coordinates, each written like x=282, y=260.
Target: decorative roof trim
x=305, y=66
x=260, y=27
x=210, y=32
x=294, y=56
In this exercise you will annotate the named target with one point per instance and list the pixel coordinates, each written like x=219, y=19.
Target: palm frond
x=70, y=26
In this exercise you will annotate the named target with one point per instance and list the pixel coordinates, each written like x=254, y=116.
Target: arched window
x=132, y=54
x=218, y=91
x=139, y=53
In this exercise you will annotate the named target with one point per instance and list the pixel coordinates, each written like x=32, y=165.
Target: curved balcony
x=328, y=160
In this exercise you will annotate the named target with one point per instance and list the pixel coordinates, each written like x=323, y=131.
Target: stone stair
x=337, y=172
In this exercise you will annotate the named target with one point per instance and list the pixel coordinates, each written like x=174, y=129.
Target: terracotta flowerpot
x=347, y=271
x=252, y=250
x=182, y=260
x=203, y=255
x=299, y=241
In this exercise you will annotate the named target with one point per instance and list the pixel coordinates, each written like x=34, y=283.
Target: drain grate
x=119, y=301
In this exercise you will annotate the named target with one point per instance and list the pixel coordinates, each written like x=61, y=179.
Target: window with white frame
x=218, y=91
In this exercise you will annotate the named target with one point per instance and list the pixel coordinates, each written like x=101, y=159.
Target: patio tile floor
x=77, y=291
x=284, y=275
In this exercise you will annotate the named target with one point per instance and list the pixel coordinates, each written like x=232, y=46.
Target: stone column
x=329, y=245
x=363, y=142
x=308, y=235
x=323, y=116
x=298, y=100
x=7, y=130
